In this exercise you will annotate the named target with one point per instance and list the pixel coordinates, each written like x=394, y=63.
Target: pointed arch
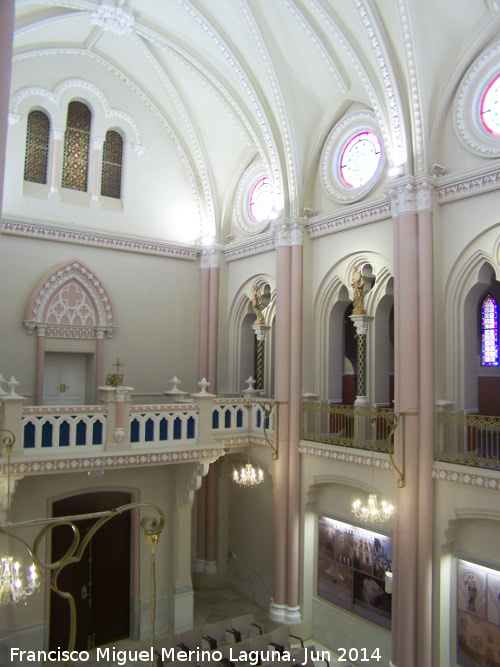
x=237, y=313
x=70, y=301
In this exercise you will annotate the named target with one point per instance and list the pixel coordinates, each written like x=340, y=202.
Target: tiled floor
x=211, y=606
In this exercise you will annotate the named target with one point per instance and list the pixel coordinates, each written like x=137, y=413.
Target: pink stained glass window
x=489, y=330
x=37, y=147
x=112, y=157
x=262, y=200
x=360, y=159
x=76, y=147
x=490, y=108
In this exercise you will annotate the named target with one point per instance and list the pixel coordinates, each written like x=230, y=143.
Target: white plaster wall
x=155, y=301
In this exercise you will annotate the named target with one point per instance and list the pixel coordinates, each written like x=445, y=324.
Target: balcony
x=469, y=439
x=118, y=434
x=369, y=428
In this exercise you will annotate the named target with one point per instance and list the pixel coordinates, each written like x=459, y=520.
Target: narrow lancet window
x=489, y=330
x=37, y=147
x=112, y=158
x=76, y=147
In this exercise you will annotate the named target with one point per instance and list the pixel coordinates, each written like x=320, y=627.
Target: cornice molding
x=346, y=456
x=81, y=236
x=248, y=248
x=374, y=212
x=472, y=479
x=109, y=461
x=468, y=185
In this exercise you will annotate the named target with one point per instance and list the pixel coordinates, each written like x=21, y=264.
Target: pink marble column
x=6, y=37
x=39, y=367
x=203, y=325
x=293, y=551
x=278, y=604
x=213, y=320
x=96, y=166
x=211, y=537
x=99, y=361
x=407, y=342
x=426, y=420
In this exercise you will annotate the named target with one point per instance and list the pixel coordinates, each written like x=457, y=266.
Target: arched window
x=76, y=147
x=489, y=332
x=37, y=147
x=112, y=157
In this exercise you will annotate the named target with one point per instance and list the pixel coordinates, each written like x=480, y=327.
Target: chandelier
x=14, y=584
x=248, y=476
x=372, y=512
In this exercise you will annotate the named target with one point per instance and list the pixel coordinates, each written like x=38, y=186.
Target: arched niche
x=71, y=313
x=242, y=335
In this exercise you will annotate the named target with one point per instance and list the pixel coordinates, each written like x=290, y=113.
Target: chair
x=242, y=626
x=191, y=639
x=215, y=634
x=163, y=646
x=280, y=639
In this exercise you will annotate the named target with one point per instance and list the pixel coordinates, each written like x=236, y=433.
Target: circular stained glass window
x=490, y=108
x=360, y=159
x=262, y=200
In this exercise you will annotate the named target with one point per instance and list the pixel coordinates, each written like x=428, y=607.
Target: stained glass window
x=262, y=200
x=76, y=147
x=37, y=147
x=489, y=327
x=360, y=159
x=112, y=156
x=490, y=108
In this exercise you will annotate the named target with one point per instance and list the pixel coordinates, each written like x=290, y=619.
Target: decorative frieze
x=110, y=461
x=40, y=230
x=373, y=213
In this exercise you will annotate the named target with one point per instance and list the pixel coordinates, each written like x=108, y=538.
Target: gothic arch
x=334, y=295
x=237, y=313
x=70, y=302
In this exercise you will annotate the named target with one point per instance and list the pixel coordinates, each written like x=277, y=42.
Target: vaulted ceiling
x=232, y=81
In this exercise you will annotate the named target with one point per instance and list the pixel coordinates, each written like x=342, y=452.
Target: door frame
x=134, y=554
x=71, y=346
x=89, y=364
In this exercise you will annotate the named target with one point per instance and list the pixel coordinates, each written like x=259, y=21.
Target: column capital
x=361, y=323
x=403, y=196
x=297, y=231
x=425, y=189
x=57, y=134
x=97, y=143
x=261, y=330
x=210, y=258
x=282, y=233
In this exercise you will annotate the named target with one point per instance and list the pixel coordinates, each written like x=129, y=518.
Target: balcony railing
x=349, y=425
x=469, y=439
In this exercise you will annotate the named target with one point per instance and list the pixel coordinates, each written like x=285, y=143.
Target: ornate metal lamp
x=15, y=583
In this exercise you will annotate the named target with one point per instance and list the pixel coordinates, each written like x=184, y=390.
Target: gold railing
x=350, y=426
x=468, y=439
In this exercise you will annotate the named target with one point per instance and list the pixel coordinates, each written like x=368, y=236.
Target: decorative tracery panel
x=71, y=302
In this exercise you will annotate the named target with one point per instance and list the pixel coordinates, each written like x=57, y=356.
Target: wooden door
x=100, y=582
x=64, y=378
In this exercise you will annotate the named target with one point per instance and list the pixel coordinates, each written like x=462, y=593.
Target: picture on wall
x=351, y=568
x=478, y=615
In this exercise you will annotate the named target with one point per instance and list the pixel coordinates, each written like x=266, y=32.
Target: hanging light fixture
x=372, y=512
x=14, y=584
x=248, y=476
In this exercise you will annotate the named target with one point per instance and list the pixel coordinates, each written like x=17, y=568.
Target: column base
x=277, y=612
x=210, y=567
x=181, y=610
x=361, y=400
x=205, y=566
x=292, y=615
x=199, y=565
